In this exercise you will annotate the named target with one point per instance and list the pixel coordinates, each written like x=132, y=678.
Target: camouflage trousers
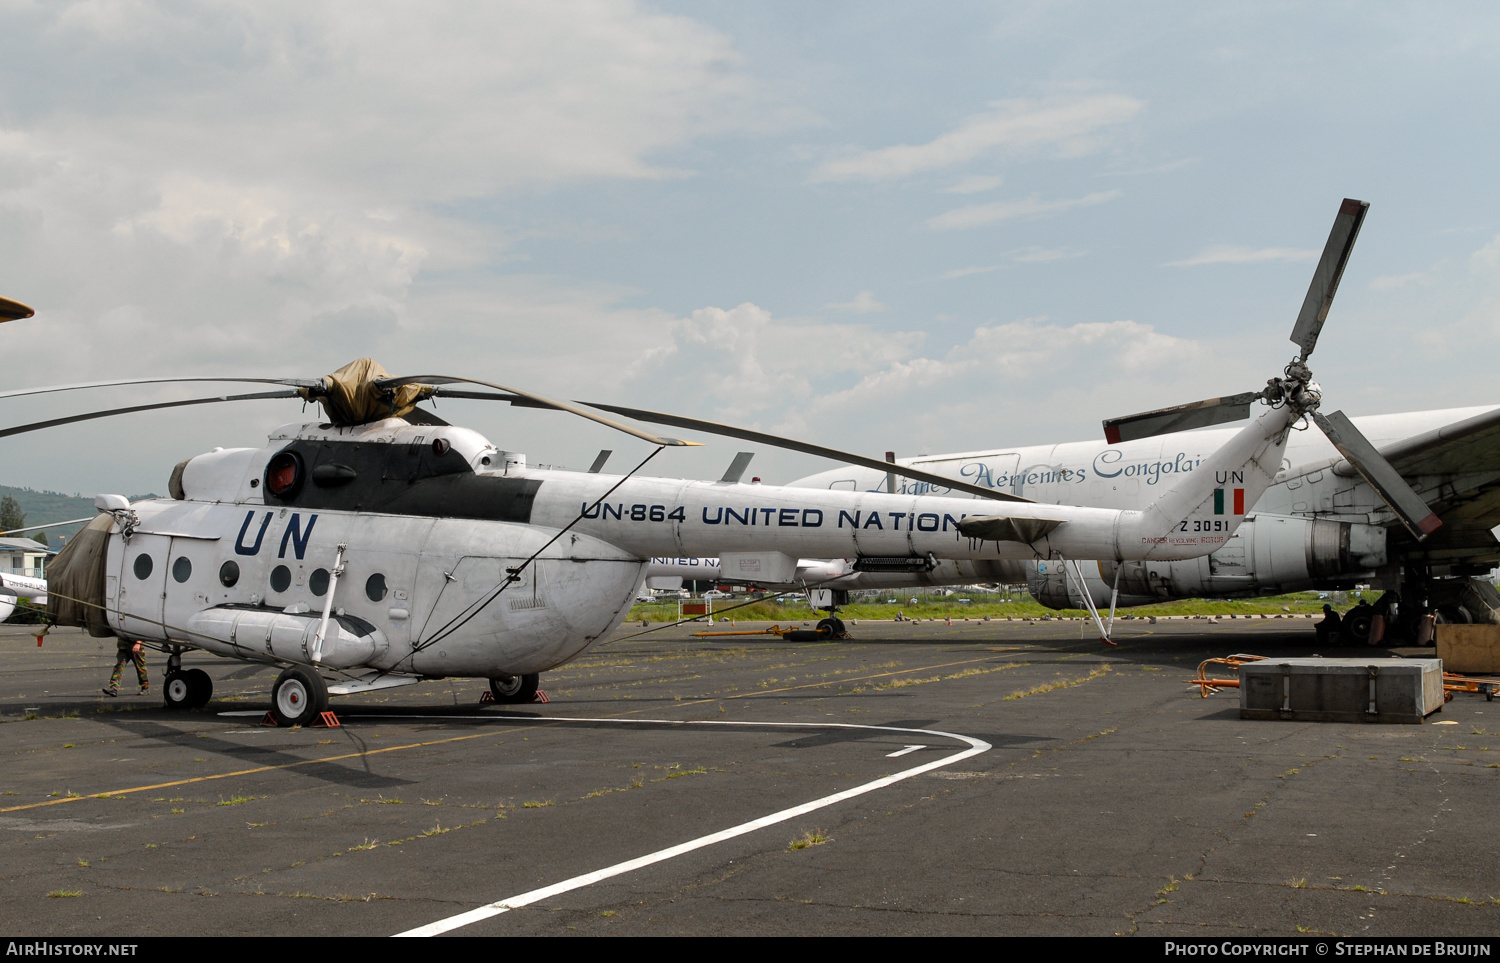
x=125, y=658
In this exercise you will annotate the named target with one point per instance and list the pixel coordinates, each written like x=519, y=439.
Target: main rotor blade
x=1325, y=280
x=91, y=415
x=1199, y=414
x=528, y=399
x=293, y=382
x=1372, y=466
x=14, y=310
x=776, y=441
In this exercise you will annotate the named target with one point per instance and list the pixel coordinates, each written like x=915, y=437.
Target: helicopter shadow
x=266, y=756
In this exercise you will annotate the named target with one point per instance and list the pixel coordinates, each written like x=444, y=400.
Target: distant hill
x=42, y=507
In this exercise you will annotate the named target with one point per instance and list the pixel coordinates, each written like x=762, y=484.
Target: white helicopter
x=384, y=546
x=1341, y=510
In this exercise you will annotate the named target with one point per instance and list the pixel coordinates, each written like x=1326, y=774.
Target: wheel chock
x=326, y=720
x=486, y=697
x=540, y=697
x=268, y=720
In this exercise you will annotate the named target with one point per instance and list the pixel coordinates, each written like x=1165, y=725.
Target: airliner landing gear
x=515, y=689
x=299, y=696
x=832, y=627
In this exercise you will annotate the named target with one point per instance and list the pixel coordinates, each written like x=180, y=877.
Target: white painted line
x=976, y=747
x=902, y=752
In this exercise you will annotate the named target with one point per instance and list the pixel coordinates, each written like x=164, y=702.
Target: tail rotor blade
x=1382, y=476
x=1325, y=281
x=1199, y=414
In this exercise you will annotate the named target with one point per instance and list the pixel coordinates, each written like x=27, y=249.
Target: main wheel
x=178, y=692
x=298, y=697
x=515, y=689
x=200, y=688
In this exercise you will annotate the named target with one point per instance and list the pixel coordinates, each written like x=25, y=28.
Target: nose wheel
x=299, y=696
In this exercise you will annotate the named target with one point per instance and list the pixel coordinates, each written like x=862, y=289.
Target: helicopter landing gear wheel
x=200, y=688
x=188, y=690
x=515, y=689
x=832, y=628
x=177, y=693
x=299, y=696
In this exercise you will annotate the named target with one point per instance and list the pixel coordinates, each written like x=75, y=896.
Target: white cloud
x=1043, y=255
x=1230, y=254
x=1486, y=260
x=1031, y=206
x=1067, y=126
x=968, y=271
x=1391, y=282
x=1025, y=255
x=975, y=184
x=241, y=183
x=864, y=303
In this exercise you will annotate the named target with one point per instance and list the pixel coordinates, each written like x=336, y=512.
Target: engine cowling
x=1268, y=555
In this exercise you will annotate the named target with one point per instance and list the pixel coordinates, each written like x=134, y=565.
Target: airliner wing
x=1463, y=459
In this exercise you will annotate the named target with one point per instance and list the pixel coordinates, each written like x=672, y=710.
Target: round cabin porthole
x=182, y=569
x=229, y=573
x=375, y=587
x=281, y=578
x=143, y=566
x=317, y=583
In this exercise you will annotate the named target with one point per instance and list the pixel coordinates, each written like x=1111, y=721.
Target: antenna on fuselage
x=736, y=469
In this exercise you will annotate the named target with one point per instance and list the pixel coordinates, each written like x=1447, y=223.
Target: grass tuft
x=812, y=837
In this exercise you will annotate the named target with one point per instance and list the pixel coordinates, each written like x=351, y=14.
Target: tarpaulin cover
x=75, y=579
x=352, y=398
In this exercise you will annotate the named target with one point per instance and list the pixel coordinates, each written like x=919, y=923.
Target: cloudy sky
x=870, y=225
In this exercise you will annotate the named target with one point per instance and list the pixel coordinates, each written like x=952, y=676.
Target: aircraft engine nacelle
x=261, y=633
x=1268, y=555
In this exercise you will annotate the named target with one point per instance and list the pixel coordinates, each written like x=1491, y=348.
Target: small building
x=23, y=556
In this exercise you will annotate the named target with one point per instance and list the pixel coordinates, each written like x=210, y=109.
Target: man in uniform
x=126, y=652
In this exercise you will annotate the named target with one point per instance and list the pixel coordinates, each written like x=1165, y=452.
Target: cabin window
x=229, y=573
x=182, y=569
x=281, y=578
x=375, y=587
x=143, y=566
x=317, y=583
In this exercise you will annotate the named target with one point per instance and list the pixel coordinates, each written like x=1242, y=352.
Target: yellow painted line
x=243, y=772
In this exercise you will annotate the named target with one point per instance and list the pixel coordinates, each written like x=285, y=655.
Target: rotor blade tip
x=1112, y=434
x=1351, y=206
